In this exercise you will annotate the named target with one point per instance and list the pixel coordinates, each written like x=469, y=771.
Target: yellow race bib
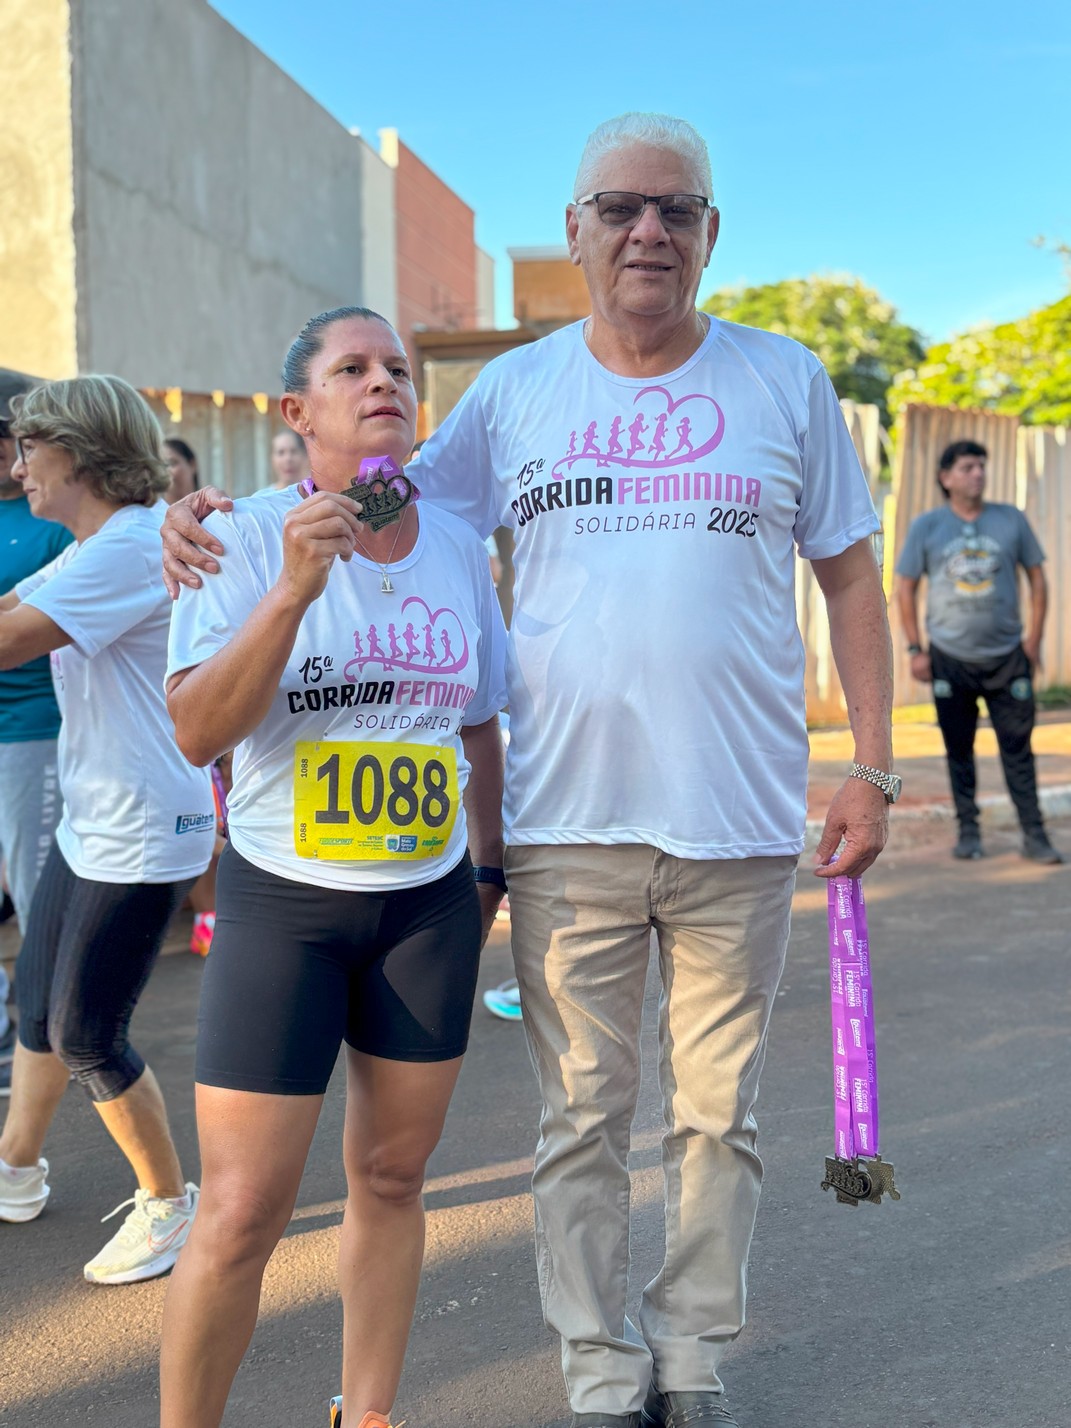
x=354, y=802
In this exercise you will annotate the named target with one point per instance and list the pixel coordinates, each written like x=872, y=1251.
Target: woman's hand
x=314, y=533
x=187, y=543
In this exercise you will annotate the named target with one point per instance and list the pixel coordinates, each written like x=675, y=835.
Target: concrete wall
x=378, y=283
x=37, y=257
x=485, y=289
x=218, y=205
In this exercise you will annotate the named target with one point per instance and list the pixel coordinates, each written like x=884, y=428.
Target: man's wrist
x=484, y=873
x=882, y=778
x=915, y=649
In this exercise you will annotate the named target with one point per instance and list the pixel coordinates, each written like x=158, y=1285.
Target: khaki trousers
x=582, y=917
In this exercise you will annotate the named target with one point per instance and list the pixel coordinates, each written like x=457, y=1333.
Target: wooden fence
x=825, y=698
x=1043, y=490
x=1029, y=467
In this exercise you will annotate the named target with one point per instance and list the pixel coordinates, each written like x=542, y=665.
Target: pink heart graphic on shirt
x=427, y=651
x=624, y=442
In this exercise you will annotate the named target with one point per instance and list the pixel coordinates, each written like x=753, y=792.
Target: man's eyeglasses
x=622, y=210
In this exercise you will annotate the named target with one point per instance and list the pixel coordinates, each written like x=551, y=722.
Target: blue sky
x=919, y=145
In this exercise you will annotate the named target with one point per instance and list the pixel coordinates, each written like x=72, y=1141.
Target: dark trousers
x=1008, y=691
x=87, y=954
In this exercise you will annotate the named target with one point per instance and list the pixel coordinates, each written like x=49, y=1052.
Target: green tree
x=1022, y=368
x=851, y=328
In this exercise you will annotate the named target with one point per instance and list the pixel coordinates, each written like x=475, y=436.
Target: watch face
x=896, y=783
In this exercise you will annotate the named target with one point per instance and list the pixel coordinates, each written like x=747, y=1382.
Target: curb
x=997, y=809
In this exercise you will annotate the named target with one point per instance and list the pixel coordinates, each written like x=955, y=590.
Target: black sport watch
x=495, y=876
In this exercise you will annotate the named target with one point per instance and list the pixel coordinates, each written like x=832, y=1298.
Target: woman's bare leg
x=38, y=1081
x=394, y=1118
x=137, y=1122
x=253, y=1151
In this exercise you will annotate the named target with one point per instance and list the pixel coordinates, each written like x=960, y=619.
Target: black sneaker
x=969, y=845
x=1038, y=849
x=681, y=1410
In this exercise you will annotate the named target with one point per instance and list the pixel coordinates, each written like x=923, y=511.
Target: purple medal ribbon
x=221, y=795
x=855, y=1065
x=384, y=468
x=856, y=1172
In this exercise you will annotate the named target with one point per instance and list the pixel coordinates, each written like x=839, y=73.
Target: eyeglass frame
x=20, y=453
x=656, y=199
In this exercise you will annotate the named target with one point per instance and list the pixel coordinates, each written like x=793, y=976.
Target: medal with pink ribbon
x=382, y=488
x=856, y=1172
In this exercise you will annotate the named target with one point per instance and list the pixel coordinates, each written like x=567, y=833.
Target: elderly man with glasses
x=660, y=469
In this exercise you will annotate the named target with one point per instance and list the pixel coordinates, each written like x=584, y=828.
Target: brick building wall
x=435, y=246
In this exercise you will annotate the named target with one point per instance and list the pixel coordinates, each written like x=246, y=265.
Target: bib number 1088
x=402, y=794
x=357, y=801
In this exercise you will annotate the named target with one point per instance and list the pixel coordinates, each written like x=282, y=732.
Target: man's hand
x=314, y=533
x=1032, y=650
x=187, y=543
x=922, y=668
x=859, y=815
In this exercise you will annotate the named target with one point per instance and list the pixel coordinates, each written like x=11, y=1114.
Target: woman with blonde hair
x=138, y=821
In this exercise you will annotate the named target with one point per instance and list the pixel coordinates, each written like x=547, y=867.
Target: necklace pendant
x=385, y=587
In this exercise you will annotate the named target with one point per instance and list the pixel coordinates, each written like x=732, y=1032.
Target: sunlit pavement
x=904, y=1313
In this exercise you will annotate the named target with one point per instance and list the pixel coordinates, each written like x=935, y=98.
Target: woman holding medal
x=367, y=763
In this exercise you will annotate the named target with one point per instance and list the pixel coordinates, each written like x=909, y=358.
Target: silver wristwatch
x=889, y=783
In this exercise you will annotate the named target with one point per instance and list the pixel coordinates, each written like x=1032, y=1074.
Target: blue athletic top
x=27, y=703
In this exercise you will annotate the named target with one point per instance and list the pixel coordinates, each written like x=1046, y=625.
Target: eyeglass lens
x=676, y=210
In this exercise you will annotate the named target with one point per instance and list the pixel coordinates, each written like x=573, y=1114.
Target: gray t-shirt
x=972, y=605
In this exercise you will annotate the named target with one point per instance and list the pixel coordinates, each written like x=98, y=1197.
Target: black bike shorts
x=295, y=970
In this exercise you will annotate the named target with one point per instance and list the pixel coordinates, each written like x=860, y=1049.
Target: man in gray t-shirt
x=970, y=551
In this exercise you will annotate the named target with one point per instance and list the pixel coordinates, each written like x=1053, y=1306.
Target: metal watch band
x=885, y=781
x=495, y=876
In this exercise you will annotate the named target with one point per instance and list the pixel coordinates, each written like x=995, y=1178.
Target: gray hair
x=655, y=131
x=109, y=430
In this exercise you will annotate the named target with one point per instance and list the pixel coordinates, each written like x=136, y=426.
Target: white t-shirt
x=368, y=672
x=655, y=667
x=134, y=811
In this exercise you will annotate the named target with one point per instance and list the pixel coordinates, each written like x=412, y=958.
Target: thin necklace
x=386, y=588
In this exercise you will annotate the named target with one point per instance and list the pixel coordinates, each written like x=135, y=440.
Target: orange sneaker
x=370, y=1420
x=204, y=924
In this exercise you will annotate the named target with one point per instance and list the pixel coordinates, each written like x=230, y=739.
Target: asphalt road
x=950, y=1308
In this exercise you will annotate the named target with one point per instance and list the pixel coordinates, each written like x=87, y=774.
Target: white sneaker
x=148, y=1243
x=23, y=1192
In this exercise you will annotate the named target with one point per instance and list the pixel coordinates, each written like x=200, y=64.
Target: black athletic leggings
x=88, y=952
x=296, y=969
